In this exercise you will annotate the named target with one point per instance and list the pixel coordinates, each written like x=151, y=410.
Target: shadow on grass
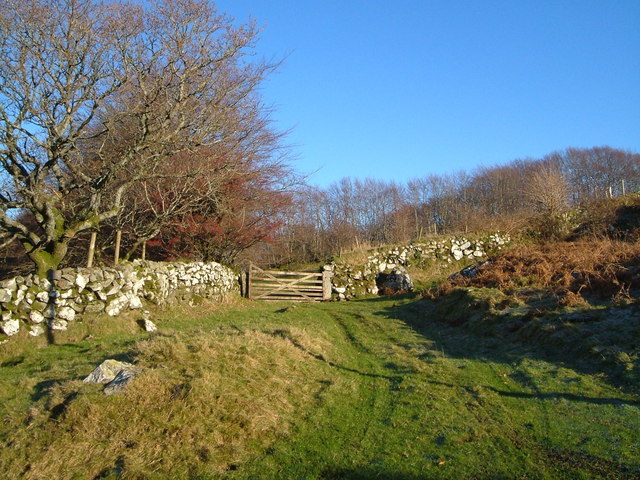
x=366, y=473
x=543, y=396
x=480, y=335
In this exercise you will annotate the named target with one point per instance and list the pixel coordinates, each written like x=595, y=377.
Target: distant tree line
x=534, y=193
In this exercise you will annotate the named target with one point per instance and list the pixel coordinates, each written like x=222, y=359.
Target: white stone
x=5, y=295
x=10, y=327
x=149, y=326
x=134, y=302
x=66, y=294
x=67, y=313
x=36, y=317
x=42, y=297
x=457, y=254
x=81, y=282
x=36, y=330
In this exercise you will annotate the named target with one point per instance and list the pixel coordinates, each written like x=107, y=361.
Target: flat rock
x=108, y=370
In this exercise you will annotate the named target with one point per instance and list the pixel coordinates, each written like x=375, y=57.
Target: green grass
x=375, y=388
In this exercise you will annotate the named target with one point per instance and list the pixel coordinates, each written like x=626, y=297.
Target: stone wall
x=31, y=302
x=351, y=281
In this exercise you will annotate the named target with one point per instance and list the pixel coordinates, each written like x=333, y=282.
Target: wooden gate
x=288, y=286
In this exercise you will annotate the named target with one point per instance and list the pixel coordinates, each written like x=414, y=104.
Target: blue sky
x=401, y=89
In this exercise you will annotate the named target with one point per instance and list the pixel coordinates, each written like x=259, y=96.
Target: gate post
x=326, y=282
x=248, y=289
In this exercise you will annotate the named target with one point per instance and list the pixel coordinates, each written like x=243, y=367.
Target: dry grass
x=602, y=268
x=200, y=404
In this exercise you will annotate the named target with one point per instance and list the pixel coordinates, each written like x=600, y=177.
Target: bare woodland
x=145, y=119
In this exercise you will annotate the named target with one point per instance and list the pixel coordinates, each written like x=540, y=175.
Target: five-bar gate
x=289, y=286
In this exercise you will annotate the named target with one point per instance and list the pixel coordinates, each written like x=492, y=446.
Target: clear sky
x=401, y=89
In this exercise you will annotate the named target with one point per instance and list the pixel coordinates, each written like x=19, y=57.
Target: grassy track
x=362, y=389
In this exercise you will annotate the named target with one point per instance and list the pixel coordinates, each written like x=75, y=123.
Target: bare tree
x=97, y=97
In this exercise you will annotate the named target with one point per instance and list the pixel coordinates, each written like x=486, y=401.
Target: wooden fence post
x=92, y=249
x=116, y=255
x=249, y=281
x=326, y=284
x=144, y=250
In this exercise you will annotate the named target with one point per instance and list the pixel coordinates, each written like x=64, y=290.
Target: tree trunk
x=48, y=257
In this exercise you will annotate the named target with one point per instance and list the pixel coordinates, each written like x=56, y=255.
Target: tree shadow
x=496, y=343
x=366, y=473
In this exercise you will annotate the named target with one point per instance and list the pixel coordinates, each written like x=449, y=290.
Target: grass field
x=375, y=388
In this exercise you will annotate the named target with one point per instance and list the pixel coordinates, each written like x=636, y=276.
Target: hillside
x=361, y=389
x=525, y=366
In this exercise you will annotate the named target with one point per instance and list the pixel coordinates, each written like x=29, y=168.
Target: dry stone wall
x=32, y=303
x=351, y=281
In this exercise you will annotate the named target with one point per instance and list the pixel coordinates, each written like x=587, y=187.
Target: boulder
x=395, y=281
x=106, y=372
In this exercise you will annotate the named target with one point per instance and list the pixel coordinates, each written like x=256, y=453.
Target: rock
x=93, y=308
x=469, y=272
x=120, y=381
x=81, y=282
x=42, y=297
x=5, y=295
x=67, y=313
x=36, y=316
x=395, y=281
x=39, y=306
x=58, y=324
x=134, y=301
x=107, y=371
x=117, y=305
x=148, y=326
x=457, y=254
x=36, y=330
x=10, y=327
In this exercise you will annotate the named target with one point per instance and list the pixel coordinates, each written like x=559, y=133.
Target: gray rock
x=396, y=281
x=39, y=306
x=122, y=379
x=107, y=371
